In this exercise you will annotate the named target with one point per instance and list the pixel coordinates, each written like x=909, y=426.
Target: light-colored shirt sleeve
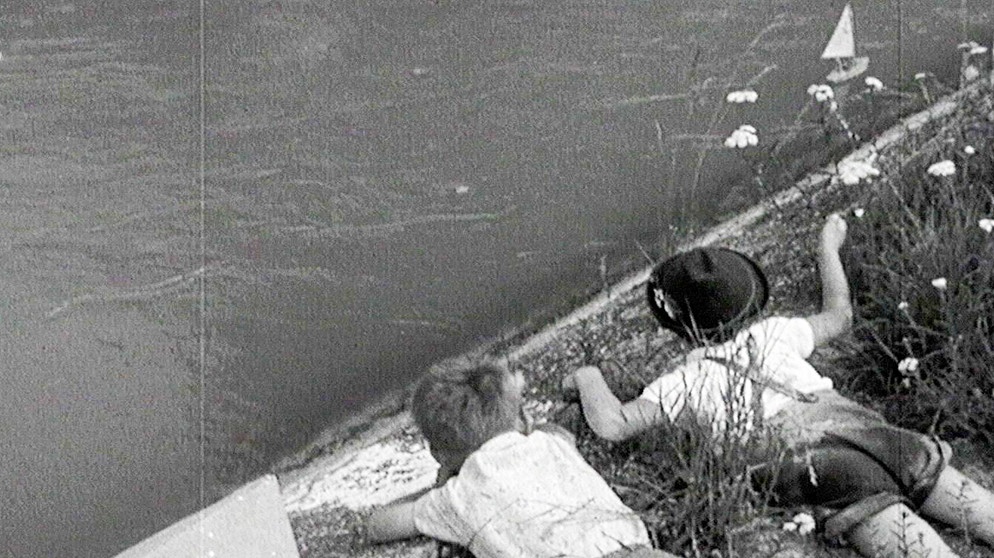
x=693, y=384
x=794, y=334
x=436, y=516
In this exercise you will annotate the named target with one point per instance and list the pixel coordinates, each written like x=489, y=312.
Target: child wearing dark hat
x=870, y=480
x=507, y=489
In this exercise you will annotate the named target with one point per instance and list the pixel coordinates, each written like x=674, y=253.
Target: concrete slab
x=249, y=523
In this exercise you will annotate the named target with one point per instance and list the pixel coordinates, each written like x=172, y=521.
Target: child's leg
x=897, y=532
x=959, y=501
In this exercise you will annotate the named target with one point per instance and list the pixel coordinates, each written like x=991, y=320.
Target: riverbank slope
x=381, y=457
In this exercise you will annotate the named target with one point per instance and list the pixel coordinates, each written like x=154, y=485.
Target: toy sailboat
x=842, y=47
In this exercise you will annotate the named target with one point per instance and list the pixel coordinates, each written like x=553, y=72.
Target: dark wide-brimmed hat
x=707, y=293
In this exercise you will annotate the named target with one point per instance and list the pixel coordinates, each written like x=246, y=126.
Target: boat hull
x=851, y=69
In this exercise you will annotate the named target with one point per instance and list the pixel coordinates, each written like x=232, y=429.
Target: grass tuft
x=918, y=228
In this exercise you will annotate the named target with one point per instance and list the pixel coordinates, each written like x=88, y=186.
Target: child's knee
x=897, y=531
x=861, y=516
x=958, y=500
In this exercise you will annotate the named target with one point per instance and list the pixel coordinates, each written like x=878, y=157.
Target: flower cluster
x=972, y=47
x=802, y=523
x=908, y=366
x=743, y=96
x=821, y=93
x=744, y=136
x=851, y=172
x=986, y=224
x=940, y=283
x=942, y=168
x=873, y=83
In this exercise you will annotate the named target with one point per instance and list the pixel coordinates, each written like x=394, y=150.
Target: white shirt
x=529, y=496
x=775, y=349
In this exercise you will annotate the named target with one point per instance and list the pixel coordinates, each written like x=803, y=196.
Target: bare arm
x=607, y=416
x=392, y=522
x=835, y=317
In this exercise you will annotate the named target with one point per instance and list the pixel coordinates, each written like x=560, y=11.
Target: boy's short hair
x=459, y=407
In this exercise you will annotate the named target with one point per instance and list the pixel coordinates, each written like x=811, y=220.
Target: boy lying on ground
x=507, y=491
x=869, y=479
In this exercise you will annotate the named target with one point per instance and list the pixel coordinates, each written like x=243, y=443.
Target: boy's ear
x=438, y=455
x=449, y=463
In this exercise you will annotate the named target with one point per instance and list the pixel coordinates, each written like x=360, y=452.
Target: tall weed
x=923, y=283
x=692, y=480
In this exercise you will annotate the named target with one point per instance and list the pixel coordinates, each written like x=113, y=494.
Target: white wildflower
x=743, y=96
x=908, y=365
x=851, y=172
x=972, y=47
x=873, y=83
x=903, y=305
x=821, y=92
x=940, y=283
x=921, y=75
x=942, y=168
x=971, y=73
x=858, y=212
x=969, y=150
x=987, y=224
x=805, y=523
x=743, y=137
x=790, y=526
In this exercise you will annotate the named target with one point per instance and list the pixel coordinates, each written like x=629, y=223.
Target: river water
x=359, y=188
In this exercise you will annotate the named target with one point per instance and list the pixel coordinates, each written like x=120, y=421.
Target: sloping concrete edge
x=251, y=522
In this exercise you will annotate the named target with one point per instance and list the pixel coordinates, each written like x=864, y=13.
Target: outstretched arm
x=392, y=522
x=607, y=416
x=835, y=317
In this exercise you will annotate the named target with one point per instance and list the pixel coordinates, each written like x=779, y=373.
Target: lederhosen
x=844, y=460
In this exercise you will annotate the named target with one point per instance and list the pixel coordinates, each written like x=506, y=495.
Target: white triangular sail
x=842, y=44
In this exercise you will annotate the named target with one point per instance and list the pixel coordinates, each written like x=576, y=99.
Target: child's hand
x=568, y=388
x=833, y=233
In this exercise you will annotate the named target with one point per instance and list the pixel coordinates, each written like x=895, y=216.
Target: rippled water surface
x=383, y=184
